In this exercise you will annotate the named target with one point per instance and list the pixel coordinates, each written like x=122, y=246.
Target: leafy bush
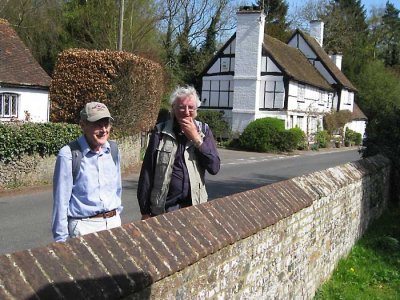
x=262, y=135
x=17, y=139
x=215, y=120
x=300, y=138
x=352, y=137
x=335, y=121
x=322, y=138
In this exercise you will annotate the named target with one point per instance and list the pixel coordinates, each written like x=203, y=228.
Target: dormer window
x=8, y=105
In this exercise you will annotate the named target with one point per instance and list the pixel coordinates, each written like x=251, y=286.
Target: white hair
x=184, y=91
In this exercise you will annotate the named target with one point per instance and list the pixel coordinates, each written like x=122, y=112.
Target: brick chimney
x=248, y=47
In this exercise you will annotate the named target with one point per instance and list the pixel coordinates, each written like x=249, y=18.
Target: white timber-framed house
x=24, y=85
x=255, y=75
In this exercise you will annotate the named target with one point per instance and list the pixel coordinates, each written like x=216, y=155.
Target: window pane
x=269, y=100
x=279, y=100
x=14, y=105
x=6, y=105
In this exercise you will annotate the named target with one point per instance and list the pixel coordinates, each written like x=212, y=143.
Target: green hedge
x=322, y=138
x=215, y=120
x=352, y=137
x=269, y=135
x=17, y=139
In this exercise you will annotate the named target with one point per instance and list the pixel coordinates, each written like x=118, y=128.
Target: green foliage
x=276, y=24
x=346, y=32
x=215, y=120
x=379, y=89
x=299, y=137
x=287, y=140
x=50, y=27
x=371, y=271
x=268, y=135
x=34, y=138
x=352, y=137
x=390, y=40
x=322, y=138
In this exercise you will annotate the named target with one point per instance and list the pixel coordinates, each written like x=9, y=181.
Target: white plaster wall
x=35, y=101
x=344, y=103
x=311, y=98
x=303, y=47
x=358, y=126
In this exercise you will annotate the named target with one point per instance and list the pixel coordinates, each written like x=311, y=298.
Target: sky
x=368, y=4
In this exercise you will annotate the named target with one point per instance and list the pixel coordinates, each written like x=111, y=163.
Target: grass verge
x=372, y=269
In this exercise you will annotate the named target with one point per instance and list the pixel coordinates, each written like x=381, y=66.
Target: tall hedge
x=132, y=87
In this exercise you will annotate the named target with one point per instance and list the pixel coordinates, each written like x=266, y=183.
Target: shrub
x=17, y=139
x=262, y=135
x=214, y=119
x=322, y=138
x=286, y=141
x=352, y=137
x=300, y=138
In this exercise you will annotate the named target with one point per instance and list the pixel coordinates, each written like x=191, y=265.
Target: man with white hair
x=180, y=150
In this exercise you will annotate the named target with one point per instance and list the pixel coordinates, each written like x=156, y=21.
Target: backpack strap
x=114, y=151
x=77, y=156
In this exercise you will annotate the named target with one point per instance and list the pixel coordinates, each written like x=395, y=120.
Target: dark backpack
x=77, y=156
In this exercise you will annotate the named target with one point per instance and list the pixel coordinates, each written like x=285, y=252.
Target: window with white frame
x=217, y=93
x=300, y=121
x=301, y=90
x=350, y=97
x=274, y=94
x=321, y=98
x=8, y=105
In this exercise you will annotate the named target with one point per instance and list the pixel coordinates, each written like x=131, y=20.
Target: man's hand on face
x=189, y=128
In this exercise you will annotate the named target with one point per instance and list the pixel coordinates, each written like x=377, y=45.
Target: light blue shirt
x=97, y=186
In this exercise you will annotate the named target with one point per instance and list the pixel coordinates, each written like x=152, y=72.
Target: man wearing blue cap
x=87, y=179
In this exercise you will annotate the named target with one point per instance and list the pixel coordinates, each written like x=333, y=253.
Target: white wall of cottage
x=34, y=101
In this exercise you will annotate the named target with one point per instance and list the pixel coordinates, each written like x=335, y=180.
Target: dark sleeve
x=208, y=154
x=146, y=177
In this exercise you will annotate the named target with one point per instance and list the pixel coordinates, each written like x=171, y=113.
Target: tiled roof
x=294, y=63
x=357, y=113
x=17, y=65
x=325, y=59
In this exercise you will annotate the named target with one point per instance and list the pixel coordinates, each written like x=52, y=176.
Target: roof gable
x=293, y=63
x=357, y=113
x=325, y=60
x=17, y=65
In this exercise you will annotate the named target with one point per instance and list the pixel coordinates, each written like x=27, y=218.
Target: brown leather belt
x=105, y=215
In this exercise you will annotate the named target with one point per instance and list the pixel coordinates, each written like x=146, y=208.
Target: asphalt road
x=25, y=217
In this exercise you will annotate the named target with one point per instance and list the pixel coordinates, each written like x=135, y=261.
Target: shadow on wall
x=114, y=287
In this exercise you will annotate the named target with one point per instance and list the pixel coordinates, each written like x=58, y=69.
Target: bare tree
x=185, y=23
x=310, y=10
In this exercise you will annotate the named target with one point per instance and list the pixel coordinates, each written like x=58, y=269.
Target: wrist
x=198, y=142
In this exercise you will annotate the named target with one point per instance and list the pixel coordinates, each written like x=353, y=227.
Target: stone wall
x=37, y=170
x=279, y=241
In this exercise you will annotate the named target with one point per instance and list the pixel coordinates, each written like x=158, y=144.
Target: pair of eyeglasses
x=182, y=108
